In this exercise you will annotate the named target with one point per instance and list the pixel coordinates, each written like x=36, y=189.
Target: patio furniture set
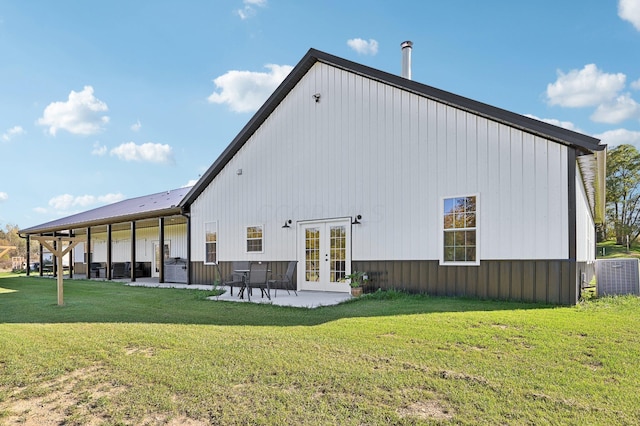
x=249, y=275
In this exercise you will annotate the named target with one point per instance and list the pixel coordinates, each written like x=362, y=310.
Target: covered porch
x=144, y=237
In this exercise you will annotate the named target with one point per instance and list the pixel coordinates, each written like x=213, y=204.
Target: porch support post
x=161, y=248
x=71, y=254
x=88, y=252
x=41, y=267
x=189, y=277
x=109, y=252
x=133, y=251
x=54, y=266
x=60, y=278
x=28, y=255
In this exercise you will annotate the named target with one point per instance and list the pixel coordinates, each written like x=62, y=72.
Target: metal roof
x=149, y=206
x=583, y=143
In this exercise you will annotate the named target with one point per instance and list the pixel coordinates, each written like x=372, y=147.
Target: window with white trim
x=255, y=239
x=460, y=230
x=211, y=242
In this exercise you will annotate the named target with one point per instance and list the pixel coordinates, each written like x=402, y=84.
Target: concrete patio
x=304, y=299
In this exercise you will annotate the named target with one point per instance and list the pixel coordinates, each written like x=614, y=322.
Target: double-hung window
x=255, y=239
x=211, y=242
x=460, y=230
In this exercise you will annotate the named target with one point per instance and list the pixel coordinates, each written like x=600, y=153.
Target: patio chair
x=284, y=280
x=119, y=270
x=96, y=270
x=258, y=277
x=234, y=278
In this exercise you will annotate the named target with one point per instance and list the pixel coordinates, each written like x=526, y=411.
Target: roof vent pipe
x=406, y=59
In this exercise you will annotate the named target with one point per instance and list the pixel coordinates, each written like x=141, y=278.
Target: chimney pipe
x=406, y=59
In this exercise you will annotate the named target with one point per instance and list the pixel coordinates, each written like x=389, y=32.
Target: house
x=350, y=168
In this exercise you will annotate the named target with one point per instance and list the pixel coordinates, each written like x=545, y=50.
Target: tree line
x=623, y=195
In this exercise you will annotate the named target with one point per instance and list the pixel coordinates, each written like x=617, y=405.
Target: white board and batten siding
x=175, y=235
x=372, y=149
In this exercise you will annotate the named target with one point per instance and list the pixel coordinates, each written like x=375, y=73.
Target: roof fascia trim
x=101, y=222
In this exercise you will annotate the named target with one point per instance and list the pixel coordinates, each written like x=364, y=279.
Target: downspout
x=41, y=259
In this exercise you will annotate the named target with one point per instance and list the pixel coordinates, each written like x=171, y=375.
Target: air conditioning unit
x=618, y=276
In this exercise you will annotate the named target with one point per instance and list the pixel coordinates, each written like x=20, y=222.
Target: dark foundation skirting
x=545, y=281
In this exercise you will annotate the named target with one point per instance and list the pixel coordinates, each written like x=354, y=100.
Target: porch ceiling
x=125, y=226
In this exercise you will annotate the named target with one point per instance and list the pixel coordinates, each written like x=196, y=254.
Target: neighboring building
x=350, y=168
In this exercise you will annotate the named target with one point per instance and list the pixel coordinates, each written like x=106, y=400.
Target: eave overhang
x=154, y=206
x=593, y=171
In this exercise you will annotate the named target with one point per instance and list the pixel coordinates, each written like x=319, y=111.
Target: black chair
x=142, y=270
x=258, y=277
x=119, y=270
x=285, y=280
x=234, y=278
x=94, y=269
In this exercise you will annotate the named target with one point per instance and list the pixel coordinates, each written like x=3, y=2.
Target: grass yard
x=126, y=355
x=609, y=249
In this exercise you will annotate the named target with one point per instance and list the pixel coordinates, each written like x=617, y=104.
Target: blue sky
x=103, y=101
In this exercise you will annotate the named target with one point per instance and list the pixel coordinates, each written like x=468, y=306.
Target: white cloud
x=621, y=109
x=619, y=137
x=66, y=202
x=110, y=198
x=99, y=149
x=629, y=10
x=136, y=126
x=363, y=47
x=190, y=183
x=147, y=152
x=586, y=87
x=81, y=114
x=249, y=10
x=3, y=196
x=14, y=131
x=564, y=124
x=246, y=91
x=636, y=84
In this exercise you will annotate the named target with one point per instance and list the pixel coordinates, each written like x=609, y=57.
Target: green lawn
x=126, y=355
x=609, y=249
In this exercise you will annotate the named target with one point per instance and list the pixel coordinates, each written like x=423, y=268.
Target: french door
x=324, y=255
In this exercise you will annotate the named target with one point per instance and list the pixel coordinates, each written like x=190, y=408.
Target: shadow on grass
x=34, y=300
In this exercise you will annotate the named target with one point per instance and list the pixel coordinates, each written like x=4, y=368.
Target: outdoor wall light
x=287, y=224
x=356, y=221
x=239, y=172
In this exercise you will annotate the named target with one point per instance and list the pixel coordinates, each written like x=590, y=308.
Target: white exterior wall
x=585, y=227
x=371, y=149
x=176, y=235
